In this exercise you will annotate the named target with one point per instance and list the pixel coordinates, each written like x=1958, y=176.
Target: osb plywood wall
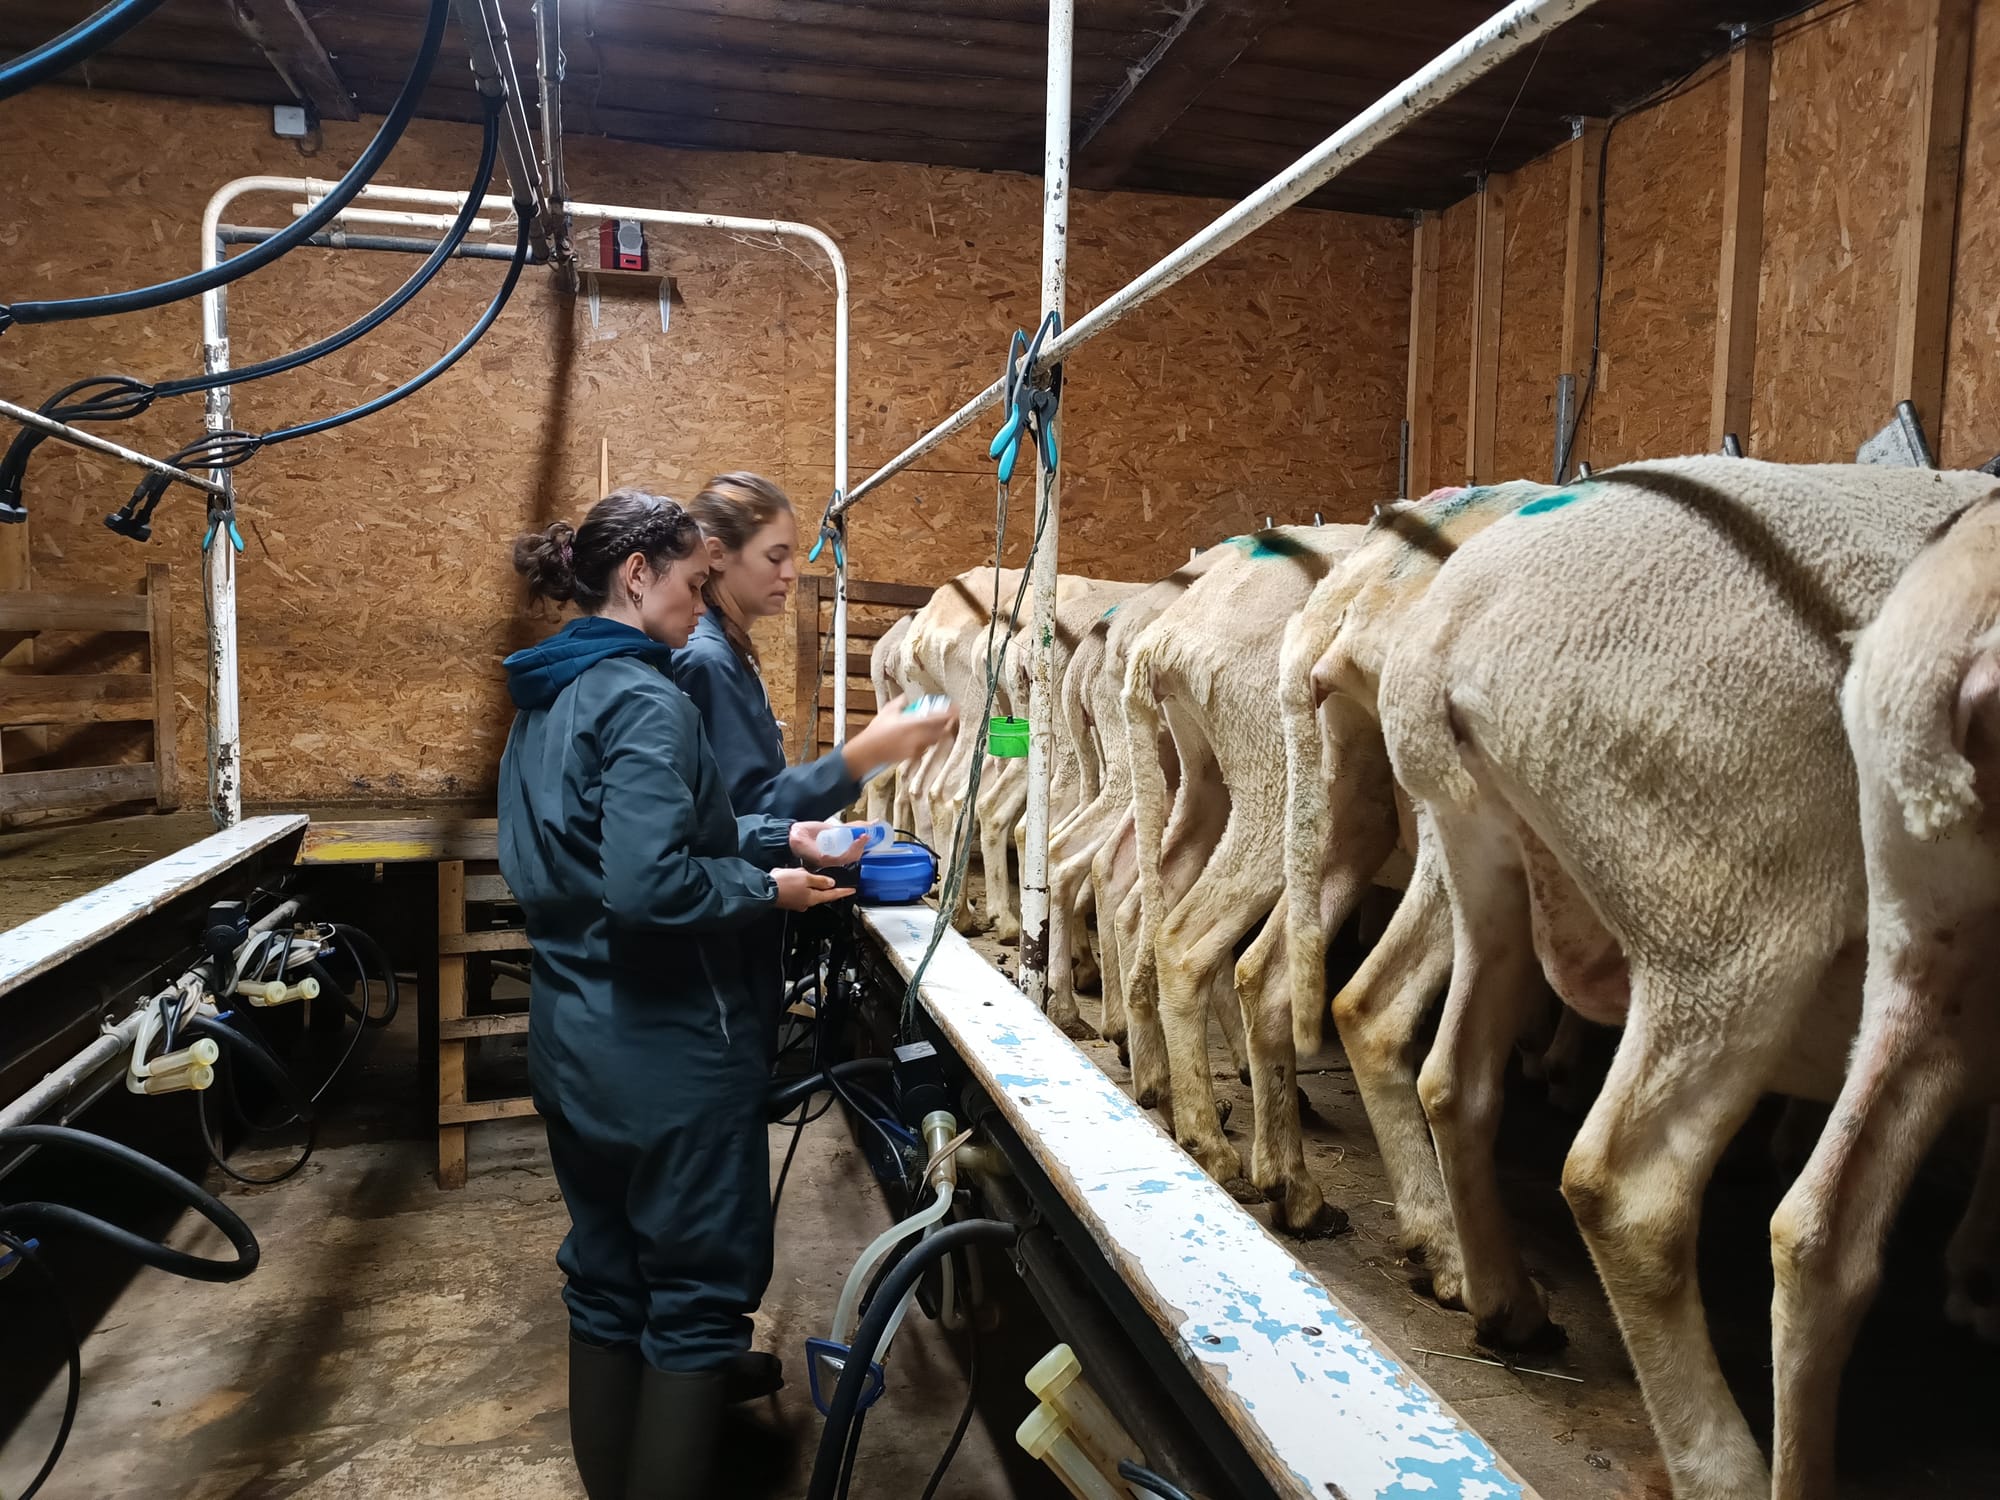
x=375, y=595
x=1840, y=150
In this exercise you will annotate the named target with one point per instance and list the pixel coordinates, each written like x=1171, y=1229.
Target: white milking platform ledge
x=1321, y=1405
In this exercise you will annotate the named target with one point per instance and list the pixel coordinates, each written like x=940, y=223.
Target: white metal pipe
x=1035, y=914
x=65, y=1079
x=215, y=344
x=785, y=229
x=28, y=416
x=1471, y=58
x=550, y=69
x=392, y=216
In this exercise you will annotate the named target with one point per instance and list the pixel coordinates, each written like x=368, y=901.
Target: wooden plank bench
x=1319, y=1403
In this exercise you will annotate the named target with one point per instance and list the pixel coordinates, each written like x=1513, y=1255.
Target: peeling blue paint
x=1006, y=1039
x=1152, y=1185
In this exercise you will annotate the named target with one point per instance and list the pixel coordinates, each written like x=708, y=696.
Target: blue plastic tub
x=896, y=876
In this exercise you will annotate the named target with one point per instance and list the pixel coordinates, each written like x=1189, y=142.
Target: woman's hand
x=805, y=844
x=893, y=737
x=801, y=890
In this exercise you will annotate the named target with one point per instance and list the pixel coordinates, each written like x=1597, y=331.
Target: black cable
x=15, y=1216
x=316, y=218
x=964, y=1413
x=88, y=37
x=74, y=1351
x=839, y=1431
x=1146, y=1479
x=783, y=1100
x=241, y=1045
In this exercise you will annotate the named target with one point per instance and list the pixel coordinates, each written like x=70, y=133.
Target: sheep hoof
x=1124, y=1052
x=1322, y=1224
x=1307, y=1114
x=1222, y=1109
x=1243, y=1190
x=1544, y=1338
x=1148, y=1098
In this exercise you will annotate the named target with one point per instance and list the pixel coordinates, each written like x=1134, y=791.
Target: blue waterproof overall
x=736, y=713
x=642, y=891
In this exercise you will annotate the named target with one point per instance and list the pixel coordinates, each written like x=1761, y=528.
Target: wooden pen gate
x=871, y=609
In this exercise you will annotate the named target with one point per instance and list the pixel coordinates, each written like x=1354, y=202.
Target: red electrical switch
x=621, y=245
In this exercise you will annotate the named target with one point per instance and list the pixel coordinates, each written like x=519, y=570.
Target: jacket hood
x=537, y=674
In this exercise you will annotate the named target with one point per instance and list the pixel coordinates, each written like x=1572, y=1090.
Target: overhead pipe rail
x=1473, y=57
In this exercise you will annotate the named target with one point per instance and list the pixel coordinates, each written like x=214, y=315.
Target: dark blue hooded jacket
x=618, y=840
x=737, y=715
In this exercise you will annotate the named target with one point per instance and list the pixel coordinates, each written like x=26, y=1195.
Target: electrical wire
x=240, y=1045
x=1673, y=89
x=31, y=1259
x=964, y=1413
x=316, y=218
x=88, y=37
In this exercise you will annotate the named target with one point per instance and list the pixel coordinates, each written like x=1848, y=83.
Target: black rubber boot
x=603, y=1406
x=753, y=1375
x=675, y=1437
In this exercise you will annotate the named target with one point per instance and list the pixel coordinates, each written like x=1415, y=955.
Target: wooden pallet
x=462, y=886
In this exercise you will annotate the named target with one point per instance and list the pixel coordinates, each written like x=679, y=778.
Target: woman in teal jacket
x=645, y=1045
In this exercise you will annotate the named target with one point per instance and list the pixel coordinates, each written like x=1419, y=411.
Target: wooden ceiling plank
x=1196, y=51
x=282, y=33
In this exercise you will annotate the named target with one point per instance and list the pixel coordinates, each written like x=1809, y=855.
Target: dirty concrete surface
x=402, y=1343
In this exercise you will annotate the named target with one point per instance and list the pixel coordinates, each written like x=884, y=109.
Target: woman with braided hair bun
x=646, y=1049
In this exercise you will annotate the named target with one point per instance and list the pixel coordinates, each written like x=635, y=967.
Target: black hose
x=74, y=1351
x=964, y=1412
x=225, y=450
x=240, y=1045
x=129, y=398
x=16, y=1216
x=316, y=218
x=1146, y=1479
x=782, y=1101
x=368, y=948
x=843, y=1414
x=88, y=37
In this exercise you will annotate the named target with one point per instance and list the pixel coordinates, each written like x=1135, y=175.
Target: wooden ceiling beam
x=282, y=33
x=1193, y=53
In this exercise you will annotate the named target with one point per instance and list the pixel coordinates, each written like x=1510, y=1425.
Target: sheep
x=1922, y=710
x=884, y=797
x=1207, y=668
x=946, y=652
x=1093, y=858
x=1620, y=710
x=1342, y=825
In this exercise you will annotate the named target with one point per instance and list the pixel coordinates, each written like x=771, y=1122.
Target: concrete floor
x=399, y=1343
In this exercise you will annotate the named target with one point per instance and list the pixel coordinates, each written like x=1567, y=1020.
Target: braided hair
x=564, y=562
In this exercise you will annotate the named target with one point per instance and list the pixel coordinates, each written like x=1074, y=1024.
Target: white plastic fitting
x=262, y=993
x=1047, y=1438
x=1057, y=1380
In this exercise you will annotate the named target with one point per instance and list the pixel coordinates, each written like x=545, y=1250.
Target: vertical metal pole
x=225, y=790
x=1035, y=914
x=840, y=485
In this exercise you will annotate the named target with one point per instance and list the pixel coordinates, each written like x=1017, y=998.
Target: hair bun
x=547, y=559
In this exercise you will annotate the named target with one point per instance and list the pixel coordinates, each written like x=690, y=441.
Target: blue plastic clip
x=1030, y=408
x=11, y=1260
x=826, y=1352
x=229, y=520
x=831, y=529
